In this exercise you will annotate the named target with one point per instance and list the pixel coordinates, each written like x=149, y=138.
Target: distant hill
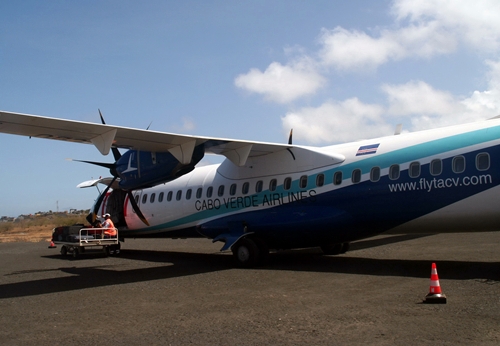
x=37, y=227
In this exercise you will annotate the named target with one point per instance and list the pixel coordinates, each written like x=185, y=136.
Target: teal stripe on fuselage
x=408, y=154
x=419, y=151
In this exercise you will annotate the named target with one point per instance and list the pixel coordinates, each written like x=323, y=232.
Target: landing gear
x=249, y=252
x=335, y=249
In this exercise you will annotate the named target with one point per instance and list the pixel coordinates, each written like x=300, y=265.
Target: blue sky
x=335, y=71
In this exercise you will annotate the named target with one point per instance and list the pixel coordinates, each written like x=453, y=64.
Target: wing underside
x=106, y=136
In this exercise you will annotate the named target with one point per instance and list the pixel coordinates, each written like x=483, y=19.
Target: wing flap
x=103, y=136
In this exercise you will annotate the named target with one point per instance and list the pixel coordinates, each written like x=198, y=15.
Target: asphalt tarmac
x=179, y=292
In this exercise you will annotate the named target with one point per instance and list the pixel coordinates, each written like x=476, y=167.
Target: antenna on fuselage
x=290, y=137
x=399, y=127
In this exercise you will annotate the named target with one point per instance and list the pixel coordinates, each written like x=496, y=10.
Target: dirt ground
x=178, y=292
x=33, y=234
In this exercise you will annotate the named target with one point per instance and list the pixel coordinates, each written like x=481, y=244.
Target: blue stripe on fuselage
x=342, y=197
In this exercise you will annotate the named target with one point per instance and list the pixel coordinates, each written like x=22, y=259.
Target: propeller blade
x=102, y=164
x=102, y=118
x=136, y=208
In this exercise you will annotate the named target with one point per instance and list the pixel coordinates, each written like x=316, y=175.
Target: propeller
x=112, y=168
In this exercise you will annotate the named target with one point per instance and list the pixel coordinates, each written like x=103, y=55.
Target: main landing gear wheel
x=246, y=252
x=335, y=249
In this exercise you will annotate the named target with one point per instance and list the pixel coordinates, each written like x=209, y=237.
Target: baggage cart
x=75, y=240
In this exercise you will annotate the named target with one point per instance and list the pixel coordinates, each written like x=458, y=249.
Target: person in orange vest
x=109, y=226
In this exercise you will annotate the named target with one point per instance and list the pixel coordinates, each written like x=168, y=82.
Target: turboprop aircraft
x=282, y=196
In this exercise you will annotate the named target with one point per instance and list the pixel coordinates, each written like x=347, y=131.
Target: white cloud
x=476, y=22
x=351, y=50
x=426, y=28
x=486, y=104
x=346, y=49
x=416, y=98
x=427, y=107
x=334, y=122
x=417, y=103
x=422, y=29
x=282, y=83
x=188, y=125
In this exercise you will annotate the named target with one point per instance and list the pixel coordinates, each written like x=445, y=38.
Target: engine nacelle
x=142, y=169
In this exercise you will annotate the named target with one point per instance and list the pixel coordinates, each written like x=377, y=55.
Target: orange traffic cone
x=52, y=245
x=435, y=295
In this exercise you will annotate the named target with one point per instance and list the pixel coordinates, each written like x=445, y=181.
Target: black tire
x=64, y=250
x=76, y=252
x=105, y=249
x=115, y=249
x=246, y=252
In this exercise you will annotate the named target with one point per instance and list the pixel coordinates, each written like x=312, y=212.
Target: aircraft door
x=114, y=206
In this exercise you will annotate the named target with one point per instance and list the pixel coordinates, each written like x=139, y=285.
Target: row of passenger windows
x=458, y=165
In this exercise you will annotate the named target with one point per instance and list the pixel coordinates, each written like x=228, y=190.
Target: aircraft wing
x=106, y=136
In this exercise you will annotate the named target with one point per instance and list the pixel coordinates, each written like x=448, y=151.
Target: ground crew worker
x=108, y=225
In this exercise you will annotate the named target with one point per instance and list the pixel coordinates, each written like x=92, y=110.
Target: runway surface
x=178, y=292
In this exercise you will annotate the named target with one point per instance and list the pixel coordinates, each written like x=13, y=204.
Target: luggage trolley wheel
x=76, y=251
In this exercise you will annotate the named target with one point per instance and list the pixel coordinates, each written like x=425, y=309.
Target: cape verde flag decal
x=367, y=149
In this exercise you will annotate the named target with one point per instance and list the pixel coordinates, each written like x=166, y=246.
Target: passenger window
x=160, y=197
x=394, y=172
x=272, y=185
x=320, y=180
x=303, y=182
x=245, y=188
x=179, y=195
x=136, y=197
x=188, y=194
x=436, y=167
x=210, y=190
x=220, y=191
x=375, y=174
x=287, y=184
x=483, y=161
x=414, y=170
x=144, y=198
x=169, y=196
x=258, y=186
x=199, y=192
x=152, y=198
x=337, y=178
x=356, y=176
x=232, y=189
x=458, y=164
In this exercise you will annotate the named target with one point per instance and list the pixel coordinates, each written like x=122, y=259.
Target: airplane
x=272, y=196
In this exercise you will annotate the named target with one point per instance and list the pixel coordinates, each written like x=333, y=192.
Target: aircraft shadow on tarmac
x=178, y=264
